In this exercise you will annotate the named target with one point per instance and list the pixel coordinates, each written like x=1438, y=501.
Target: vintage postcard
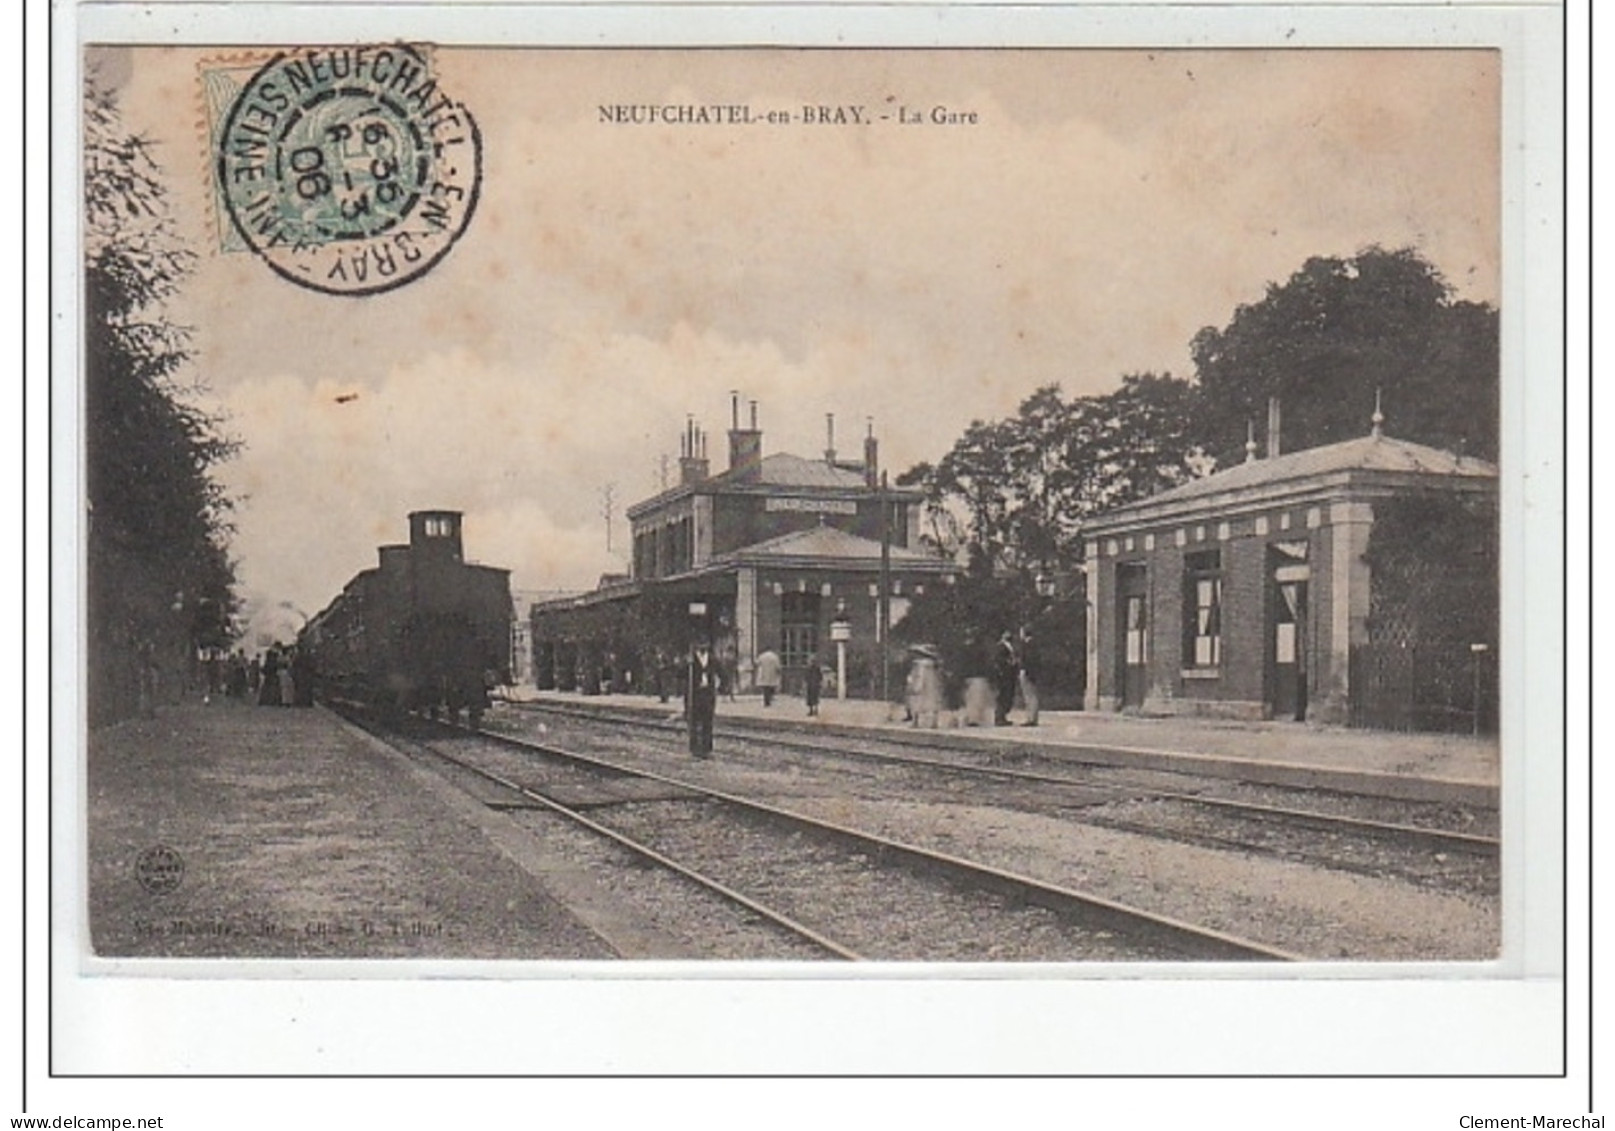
x=828, y=515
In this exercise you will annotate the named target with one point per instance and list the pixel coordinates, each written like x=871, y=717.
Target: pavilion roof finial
x=1378, y=419
x=1250, y=441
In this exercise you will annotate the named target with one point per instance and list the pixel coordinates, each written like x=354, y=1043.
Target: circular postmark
x=348, y=170
x=159, y=869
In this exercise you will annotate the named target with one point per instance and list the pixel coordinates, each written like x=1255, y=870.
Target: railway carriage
x=422, y=631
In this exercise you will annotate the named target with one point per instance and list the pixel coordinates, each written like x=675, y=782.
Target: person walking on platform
x=269, y=692
x=705, y=683
x=768, y=675
x=1006, y=676
x=814, y=683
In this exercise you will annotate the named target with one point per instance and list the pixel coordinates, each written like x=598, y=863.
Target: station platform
x=236, y=831
x=1445, y=768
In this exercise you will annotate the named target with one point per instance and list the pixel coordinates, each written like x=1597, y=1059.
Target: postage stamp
x=346, y=170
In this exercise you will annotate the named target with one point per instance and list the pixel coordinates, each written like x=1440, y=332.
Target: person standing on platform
x=664, y=676
x=1029, y=674
x=238, y=675
x=705, y=683
x=814, y=684
x=288, y=685
x=1006, y=676
x=924, y=688
x=729, y=667
x=768, y=672
x=302, y=669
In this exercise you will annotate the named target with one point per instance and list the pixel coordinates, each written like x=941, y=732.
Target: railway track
x=842, y=891
x=1418, y=840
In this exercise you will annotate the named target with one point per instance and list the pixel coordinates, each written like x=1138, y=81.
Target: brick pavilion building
x=1350, y=583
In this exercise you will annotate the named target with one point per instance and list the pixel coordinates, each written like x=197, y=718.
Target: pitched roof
x=1371, y=453
x=831, y=543
x=785, y=470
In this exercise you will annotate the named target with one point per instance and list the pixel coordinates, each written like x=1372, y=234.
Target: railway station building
x=1354, y=583
x=780, y=552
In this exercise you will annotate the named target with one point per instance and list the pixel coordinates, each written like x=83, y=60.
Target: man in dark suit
x=704, y=685
x=813, y=683
x=1006, y=676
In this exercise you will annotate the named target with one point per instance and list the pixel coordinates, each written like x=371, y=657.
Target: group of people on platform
x=1012, y=673
x=282, y=677
x=769, y=672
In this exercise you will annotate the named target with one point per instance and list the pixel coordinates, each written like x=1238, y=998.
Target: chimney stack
x=745, y=445
x=693, y=466
x=830, y=438
x=871, y=457
x=1273, y=422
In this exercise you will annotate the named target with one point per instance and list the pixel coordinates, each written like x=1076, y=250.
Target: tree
x=160, y=580
x=1013, y=493
x=1338, y=330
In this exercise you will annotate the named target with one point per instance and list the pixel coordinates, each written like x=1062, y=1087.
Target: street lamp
x=840, y=633
x=1477, y=650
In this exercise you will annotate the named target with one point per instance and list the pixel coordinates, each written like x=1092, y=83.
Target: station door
x=1287, y=630
x=1132, y=616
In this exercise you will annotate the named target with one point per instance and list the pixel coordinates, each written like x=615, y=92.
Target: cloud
x=1105, y=208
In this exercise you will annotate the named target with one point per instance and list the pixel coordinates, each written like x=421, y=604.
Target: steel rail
x=778, y=918
x=1084, y=908
x=1440, y=838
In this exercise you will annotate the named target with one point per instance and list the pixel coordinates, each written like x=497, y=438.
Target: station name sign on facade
x=810, y=506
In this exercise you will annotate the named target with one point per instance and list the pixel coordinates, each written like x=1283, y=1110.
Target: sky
x=1103, y=208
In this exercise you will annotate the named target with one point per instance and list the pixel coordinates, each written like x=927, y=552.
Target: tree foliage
x=1335, y=332
x=1013, y=493
x=1011, y=496
x=160, y=577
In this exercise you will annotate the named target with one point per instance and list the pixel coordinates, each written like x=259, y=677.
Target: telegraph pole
x=608, y=499
x=884, y=627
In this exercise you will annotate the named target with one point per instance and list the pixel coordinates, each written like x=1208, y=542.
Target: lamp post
x=840, y=633
x=1476, y=650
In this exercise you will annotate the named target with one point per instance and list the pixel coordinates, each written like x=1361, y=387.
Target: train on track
x=422, y=631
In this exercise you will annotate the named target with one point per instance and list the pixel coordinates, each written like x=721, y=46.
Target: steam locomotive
x=422, y=631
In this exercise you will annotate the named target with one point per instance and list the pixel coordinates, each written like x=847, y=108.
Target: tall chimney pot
x=745, y=448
